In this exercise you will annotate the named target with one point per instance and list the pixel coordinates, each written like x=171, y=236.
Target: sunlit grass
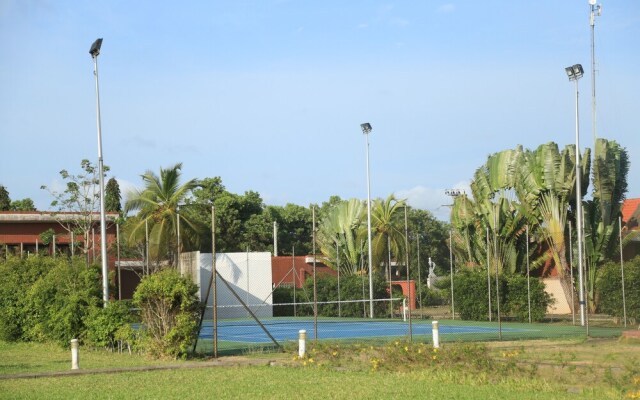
x=561, y=369
x=291, y=383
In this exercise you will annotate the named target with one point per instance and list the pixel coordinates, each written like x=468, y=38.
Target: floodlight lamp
x=592, y=2
x=95, y=48
x=366, y=128
x=574, y=72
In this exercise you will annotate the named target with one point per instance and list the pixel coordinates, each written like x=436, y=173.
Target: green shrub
x=470, y=294
x=609, y=289
x=18, y=274
x=170, y=310
x=517, y=302
x=58, y=302
x=104, y=323
x=472, y=300
x=355, y=302
x=433, y=297
x=283, y=295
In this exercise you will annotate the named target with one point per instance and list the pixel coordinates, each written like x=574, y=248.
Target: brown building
x=30, y=232
x=23, y=233
x=288, y=270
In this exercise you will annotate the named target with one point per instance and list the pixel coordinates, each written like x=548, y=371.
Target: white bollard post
x=302, y=343
x=74, y=354
x=436, y=334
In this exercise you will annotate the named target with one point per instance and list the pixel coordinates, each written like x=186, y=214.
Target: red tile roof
x=631, y=213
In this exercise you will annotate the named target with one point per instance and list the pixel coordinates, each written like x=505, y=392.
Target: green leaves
x=169, y=308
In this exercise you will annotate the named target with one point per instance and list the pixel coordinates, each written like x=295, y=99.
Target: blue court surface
x=287, y=330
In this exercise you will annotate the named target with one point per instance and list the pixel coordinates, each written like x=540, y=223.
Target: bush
x=18, y=275
x=472, y=303
x=609, y=289
x=470, y=294
x=103, y=324
x=58, y=302
x=283, y=295
x=350, y=290
x=517, y=302
x=433, y=297
x=170, y=310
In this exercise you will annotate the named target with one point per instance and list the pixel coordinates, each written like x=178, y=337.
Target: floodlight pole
x=453, y=193
x=574, y=73
x=595, y=11
x=419, y=275
x=406, y=258
x=95, y=51
x=178, y=229
x=366, y=129
x=624, y=299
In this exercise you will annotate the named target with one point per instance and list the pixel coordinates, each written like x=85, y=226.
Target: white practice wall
x=248, y=274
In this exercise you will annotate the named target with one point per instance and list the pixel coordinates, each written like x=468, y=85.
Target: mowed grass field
x=561, y=369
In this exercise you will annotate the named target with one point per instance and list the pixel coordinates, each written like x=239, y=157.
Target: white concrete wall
x=248, y=274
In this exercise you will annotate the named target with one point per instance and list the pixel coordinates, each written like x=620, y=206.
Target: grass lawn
x=289, y=383
x=561, y=369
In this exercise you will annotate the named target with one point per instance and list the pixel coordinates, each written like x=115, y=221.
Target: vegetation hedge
x=170, y=310
x=471, y=296
x=18, y=275
x=105, y=326
x=47, y=299
x=609, y=289
x=354, y=295
x=58, y=302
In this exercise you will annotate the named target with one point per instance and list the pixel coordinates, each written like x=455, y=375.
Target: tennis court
x=286, y=329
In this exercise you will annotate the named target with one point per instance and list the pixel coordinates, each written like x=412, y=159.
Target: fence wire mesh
x=256, y=311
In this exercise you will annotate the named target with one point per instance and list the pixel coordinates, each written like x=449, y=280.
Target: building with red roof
x=631, y=226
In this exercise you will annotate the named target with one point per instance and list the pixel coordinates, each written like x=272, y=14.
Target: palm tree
x=494, y=209
x=157, y=206
x=610, y=168
x=341, y=226
x=546, y=190
x=387, y=226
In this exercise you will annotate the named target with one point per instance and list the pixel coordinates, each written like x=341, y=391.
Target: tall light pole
x=575, y=72
x=453, y=193
x=366, y=128
x=95, y=51
x=595, y=11
x=178, y=228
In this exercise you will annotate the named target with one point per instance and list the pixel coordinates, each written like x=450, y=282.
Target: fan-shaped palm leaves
x=341, y=227
x=345, y=225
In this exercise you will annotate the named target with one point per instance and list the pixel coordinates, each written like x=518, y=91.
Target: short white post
x=404, y=309
x=74, y=354
x=302, y=343
x=436, y=334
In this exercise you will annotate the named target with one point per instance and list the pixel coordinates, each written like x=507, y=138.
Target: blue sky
x=269, y=95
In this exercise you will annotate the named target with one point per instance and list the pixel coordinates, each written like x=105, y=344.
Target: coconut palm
x=387, y=230
x=157, y=206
